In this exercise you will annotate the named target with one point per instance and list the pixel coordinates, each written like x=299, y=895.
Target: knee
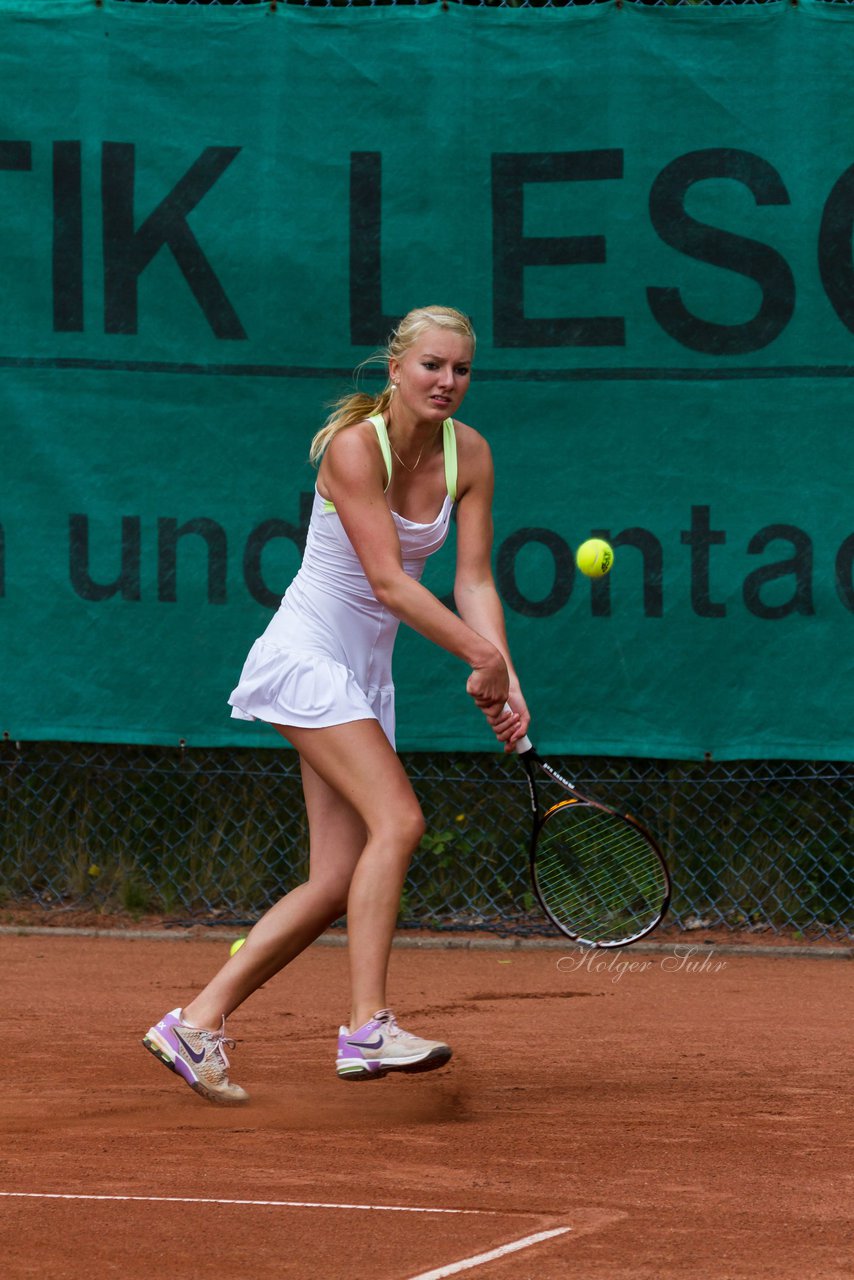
x=400, y=829
x=409, y=827
x=420, y=829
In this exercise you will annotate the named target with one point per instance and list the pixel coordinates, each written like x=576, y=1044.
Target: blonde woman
x=390, y=469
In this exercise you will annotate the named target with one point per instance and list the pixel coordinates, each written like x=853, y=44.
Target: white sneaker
x=381, y=1046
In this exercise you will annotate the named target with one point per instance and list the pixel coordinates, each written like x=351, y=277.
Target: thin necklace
x=400, y=460
x=397, y=455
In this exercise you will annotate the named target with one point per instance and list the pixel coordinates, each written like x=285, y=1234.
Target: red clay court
x=670, y=1120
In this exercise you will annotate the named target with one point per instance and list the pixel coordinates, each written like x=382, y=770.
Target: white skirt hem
x=306, y=691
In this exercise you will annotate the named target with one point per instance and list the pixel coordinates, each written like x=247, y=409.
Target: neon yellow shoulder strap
x=385, y=450
x=449, y=444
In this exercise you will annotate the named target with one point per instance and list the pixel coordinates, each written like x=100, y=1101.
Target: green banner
x=209, y=216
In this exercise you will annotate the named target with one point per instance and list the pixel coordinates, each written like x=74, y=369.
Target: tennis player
x=391, y=468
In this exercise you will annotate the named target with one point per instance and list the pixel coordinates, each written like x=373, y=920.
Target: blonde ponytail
x=355, y=406
x=346, y=412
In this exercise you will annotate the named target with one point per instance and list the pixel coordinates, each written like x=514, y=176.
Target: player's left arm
x=475, y=594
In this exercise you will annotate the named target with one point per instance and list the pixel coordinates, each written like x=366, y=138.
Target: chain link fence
x=218, y=835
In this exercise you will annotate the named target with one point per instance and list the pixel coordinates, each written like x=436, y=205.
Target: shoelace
x=389, y=1022
x=217, y=1040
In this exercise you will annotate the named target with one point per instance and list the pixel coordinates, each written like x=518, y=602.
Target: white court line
x=275, y=1204
x=525, y=1243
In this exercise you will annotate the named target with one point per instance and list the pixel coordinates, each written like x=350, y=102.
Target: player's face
x=434, y=374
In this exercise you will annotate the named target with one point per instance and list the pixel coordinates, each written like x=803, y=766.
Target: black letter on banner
x=127, y=252
x=16, y=157
x=653, y=572
x=127, y=584
x=258, y=540
x=724, y=249
x=845, y=573
x=700, y=538
x=67, y=238
x=512, y=250
x=835, y=262
x=564, y=573
x=799, y=565
x=168, y=534
x=368, y=325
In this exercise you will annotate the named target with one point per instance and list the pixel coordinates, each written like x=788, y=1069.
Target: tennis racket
x=598, y=874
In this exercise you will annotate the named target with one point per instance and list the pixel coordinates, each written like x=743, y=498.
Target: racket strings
x=601, y=872
x=610, y=834
x=598, y=876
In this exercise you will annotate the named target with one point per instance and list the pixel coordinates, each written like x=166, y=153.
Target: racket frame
x=531, y=761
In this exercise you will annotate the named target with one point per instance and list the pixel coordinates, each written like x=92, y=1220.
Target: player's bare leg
x=364, y=771
x=361, y=767
x=365, y=823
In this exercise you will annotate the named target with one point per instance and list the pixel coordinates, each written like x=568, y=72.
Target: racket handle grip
x=524, y=744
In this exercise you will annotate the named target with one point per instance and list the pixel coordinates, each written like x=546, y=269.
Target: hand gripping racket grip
x=524, y=744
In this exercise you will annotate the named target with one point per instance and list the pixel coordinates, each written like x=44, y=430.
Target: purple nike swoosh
x=366, y=1044
x=197, y=1057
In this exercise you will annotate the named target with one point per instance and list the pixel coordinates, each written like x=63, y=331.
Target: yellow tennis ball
x=594, y=557
x=235, y=946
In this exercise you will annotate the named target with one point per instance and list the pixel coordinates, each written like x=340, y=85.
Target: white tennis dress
x=325, y=658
